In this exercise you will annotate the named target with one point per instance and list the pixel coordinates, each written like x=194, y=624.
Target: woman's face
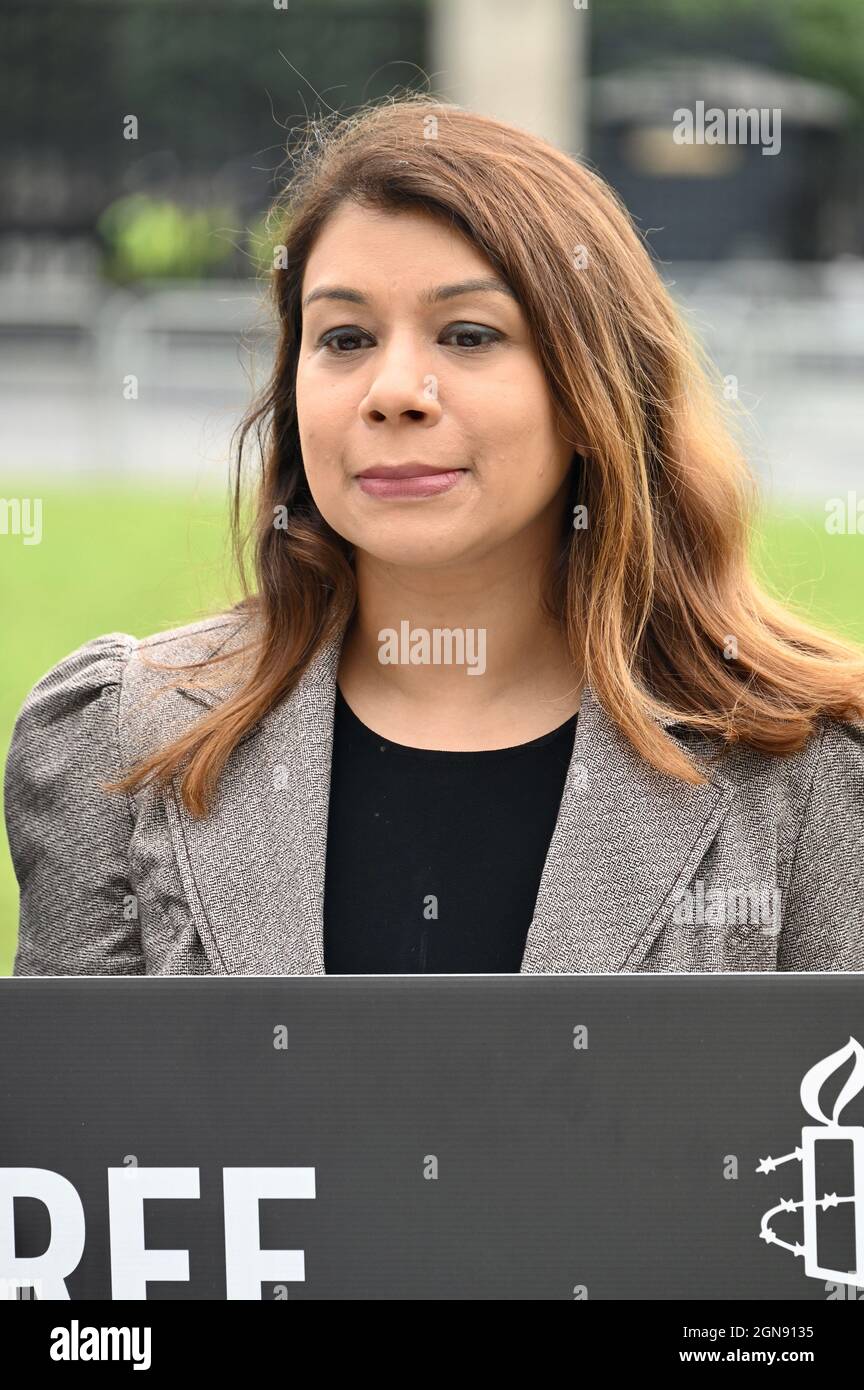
x=411, y=368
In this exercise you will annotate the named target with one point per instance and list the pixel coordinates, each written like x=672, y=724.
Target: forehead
x=379, y=245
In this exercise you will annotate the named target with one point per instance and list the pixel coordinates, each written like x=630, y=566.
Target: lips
x=405, y=470
x=405, y=480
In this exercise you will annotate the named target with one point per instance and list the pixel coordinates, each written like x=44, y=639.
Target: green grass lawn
x=137, y=561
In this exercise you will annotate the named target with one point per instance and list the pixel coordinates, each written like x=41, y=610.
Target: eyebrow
x=488, y=284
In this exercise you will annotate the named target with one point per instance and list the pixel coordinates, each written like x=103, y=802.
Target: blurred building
x=708, y=201
x=146, y=138
x=143, y=141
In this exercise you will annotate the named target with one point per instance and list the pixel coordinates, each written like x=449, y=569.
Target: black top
x=434, y=858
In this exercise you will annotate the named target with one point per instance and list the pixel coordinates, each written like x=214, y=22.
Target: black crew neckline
x=455, y=755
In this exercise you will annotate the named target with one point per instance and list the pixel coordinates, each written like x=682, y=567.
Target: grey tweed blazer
x=762, y=868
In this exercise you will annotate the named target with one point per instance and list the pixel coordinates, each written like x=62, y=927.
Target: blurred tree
x=147, y=236
x=822, y=39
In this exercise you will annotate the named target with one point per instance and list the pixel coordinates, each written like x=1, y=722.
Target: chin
x=420, y=552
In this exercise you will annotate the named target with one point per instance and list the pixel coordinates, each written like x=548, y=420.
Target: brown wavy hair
x=652, y=591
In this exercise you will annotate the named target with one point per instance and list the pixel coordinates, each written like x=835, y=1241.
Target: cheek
x=524, y=404
x=316, y=452
x=315, y=423
x=323, y=411
x=524, y=431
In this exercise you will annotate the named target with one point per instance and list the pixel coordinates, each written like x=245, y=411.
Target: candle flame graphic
x=818, y=1075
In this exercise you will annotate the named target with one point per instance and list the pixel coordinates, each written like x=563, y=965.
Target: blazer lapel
x=255, y=866
x=626, y=841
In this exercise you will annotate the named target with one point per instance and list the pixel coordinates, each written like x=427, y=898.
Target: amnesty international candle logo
x=814, y=1140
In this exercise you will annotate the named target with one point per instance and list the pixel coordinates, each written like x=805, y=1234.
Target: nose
x=402, y=387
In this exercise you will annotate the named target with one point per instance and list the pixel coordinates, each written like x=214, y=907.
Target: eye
x=349, y=335
x=482, y=337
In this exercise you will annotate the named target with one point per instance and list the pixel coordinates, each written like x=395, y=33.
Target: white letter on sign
x=246, y=1264
x=132, y=1264
x=66, y=1246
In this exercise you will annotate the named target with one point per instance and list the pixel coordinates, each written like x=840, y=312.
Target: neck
x=468, y=645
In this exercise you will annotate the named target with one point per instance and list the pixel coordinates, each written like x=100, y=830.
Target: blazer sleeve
x=823, y=912
x=69, y=840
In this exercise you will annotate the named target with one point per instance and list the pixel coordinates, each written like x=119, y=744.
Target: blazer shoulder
x=824, y=904
x=162, y=658
x=96, y=694
x=173, y=677
x=75, y=681
x=829, y=764
x=838, y=771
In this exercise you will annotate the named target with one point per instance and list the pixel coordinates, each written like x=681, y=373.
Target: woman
x=505, y=694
